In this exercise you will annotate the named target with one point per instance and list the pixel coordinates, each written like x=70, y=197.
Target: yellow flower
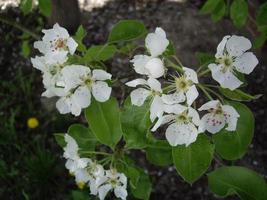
x=32, y=122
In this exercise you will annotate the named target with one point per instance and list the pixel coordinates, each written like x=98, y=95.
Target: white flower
x=219, y=115
x=74, y=162
x=151, y=88
x=231, y=56
x=51, y=66
x=152, y=66
x=185, y=87
x=113, y=181
x=183, y=124
x=56, y=39
x=79, y=84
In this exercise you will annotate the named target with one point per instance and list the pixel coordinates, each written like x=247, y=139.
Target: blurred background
x=31, y=163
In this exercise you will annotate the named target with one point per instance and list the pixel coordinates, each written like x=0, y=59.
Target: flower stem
x=205, y=91
x=203, y=72
x=96, y=153
x=215, y=93
x=20, y=27
x=173, y=65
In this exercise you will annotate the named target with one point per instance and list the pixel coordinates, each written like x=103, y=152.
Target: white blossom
x=80, y=82
x=184, y=87
x=183, y=122
x=231, y=57
x=56, y=39
x=219, y=115
x=113, y=181
x=151, y=88
x=152, y=66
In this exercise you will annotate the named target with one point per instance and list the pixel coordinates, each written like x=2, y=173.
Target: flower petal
x=190, y=74
x=237, y=45
x=231, y=116
x=162, y=120
x=221, y=46
x=101, y=91
x=194, y=115
x=101, y=75
x=154, y=84
x=135, y=82
x=175, y=108
x=226, y=79
x=72, y=45
x=138, y=96
x=246, y=63
x=120, y=192
x=213, y=123
x=103, y=190
x=174, y=98
x=156, y=108
x=191, y=95
x=139, y=62
x=156, y=42
x=210, y=105
x=155, y=68
x=82, y=96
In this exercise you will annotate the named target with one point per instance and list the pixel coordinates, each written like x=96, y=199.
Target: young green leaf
x=79, y=36
x=135, y=124
x=238, y=95
x=261, y=17
x=170, y=49
x=104, y=121
x=193, y=161
x=26, y=6
x=233, y=145
x=143, y=187
x=126, y=30
x=260, y=40
x=219, y=12
x=239, y=12
x=25, y=49
x=100, y=53
x=209, y=6
x=60, y=139
x=204, y=58
x=245, y=183
x=45, y=7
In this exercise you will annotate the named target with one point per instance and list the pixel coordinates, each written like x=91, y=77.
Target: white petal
x=101, y=91
x=138, y=81
x=63, y=33
x=237, y=45
x=155, y=68
x=163, y=120
x=156, y=42
x=120, y=192
x=82, y=162
x=71, y=166
x=231, y=116
x=175, y=108
x=156, y=108
x=190, y=74
x=101, y=75
x=81, y=175
x=191, y=95
x=213, y=123
x=93, y=186
x=103, y=190
x=63, y=106
x=154, y=84
x=82, y=96
x=174, y=98
x=39, y=63
x=72, y=45
x=246, y=63
x=40, y=45
x=122, y=179
x=210, y=105
x=226, y=79
x=138, y=96
x=139, y=62
x=194, y=115
x=221, y=46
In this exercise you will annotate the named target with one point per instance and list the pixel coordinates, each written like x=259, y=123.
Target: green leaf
x=133, y=174
x=238, y=95
x=79, y=36
x=219, y=12
x=80, y=195
x=170, y=50
x=100, y=53
x=260, y=40
x=239, y=12
x=60, y=139
x=83, y=136
x=204, y=58
x=159, y=153
x=26, y=6
x=25, y=49
x=104, y=121
x=233, y=145
x=135, y=124
x=45, y=7
x=209, y=6
x=143, y=187
x=261, y=16
x=245, y=183
x=126, y=30
x=193, y=161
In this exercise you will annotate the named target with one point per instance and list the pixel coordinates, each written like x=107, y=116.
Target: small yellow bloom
x=32, y=122
x=80, y=185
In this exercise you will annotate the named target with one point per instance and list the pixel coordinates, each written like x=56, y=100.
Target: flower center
x=155, y=93
x=182, y=84
x=183, y=118
x=226, y=61
x=59, y=44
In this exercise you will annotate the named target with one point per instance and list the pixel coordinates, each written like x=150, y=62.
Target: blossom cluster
x=172, y=104
x=92, y=174
x=72, y=83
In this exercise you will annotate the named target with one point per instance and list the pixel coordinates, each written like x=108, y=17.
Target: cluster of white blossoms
x=73, y=84
x=88, y=172
x=172, y=105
